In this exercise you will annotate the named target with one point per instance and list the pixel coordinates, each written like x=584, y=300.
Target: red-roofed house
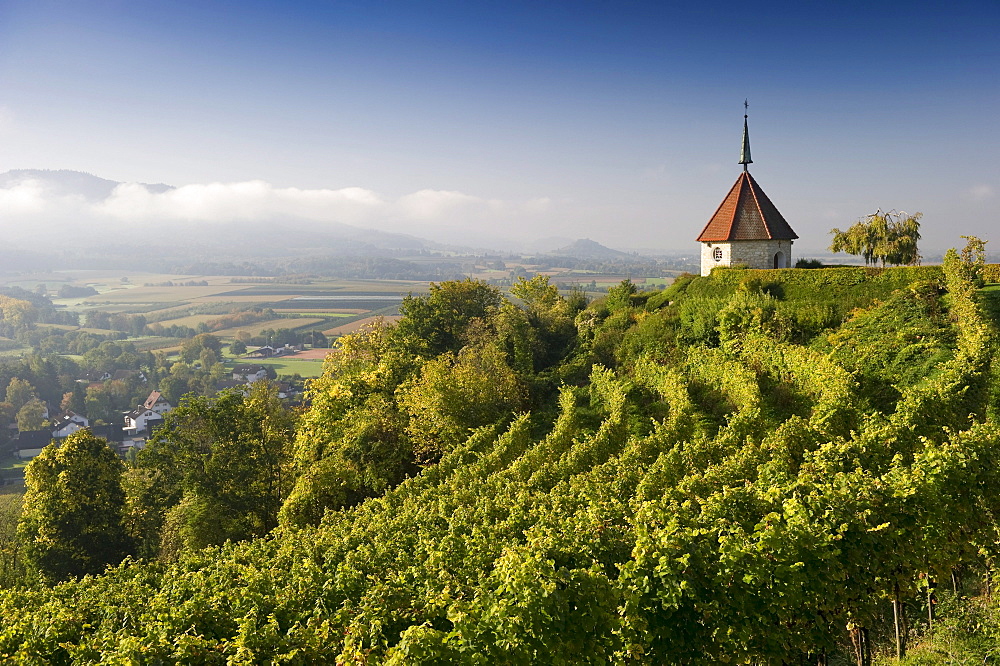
x=747, y=228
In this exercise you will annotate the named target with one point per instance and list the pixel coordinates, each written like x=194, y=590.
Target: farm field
x=293, y=323
x=291, y=365
x=326, y=314
x=188, y=320
x=353, y=327
x=320, y=304
x=155, y=343
x=333, y=306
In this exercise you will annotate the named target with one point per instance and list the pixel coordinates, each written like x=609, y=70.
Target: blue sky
x=617, y=121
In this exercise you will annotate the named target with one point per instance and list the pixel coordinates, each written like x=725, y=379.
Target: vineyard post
x=899, y=620
x=862, y=648
x=930, y=605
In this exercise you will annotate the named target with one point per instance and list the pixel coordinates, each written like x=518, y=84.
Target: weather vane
x=746, y=106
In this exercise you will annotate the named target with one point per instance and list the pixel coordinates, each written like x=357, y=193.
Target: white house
x=148, y=414
x=249, y=373
x=140, y=420
x=746, y=229
x=68, y=423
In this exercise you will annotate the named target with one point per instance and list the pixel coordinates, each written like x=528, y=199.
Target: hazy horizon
x=469, y=124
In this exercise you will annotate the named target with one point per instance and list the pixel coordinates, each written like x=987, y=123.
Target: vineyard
x=781, y=467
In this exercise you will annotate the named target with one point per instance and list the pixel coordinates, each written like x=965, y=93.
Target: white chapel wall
x=751, y=253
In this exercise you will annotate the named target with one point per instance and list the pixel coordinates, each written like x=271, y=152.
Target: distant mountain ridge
x=65, y=182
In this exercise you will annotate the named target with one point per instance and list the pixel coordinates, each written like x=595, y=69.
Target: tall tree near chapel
x=886, y=238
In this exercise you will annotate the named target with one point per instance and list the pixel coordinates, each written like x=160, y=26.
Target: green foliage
x=436, y=323
x=32, y=415
x=195, y=348
x=974, y=258
x=456, y=393
x=620, y=297
x=218, y=470
x=19, y=393
x=717, y=492
x=352, y=443
x=72, y=524
x=550, y=317
x=894, y=344
x=881, y=237
x=991, y=273
x=966, y=631
x=12, y=568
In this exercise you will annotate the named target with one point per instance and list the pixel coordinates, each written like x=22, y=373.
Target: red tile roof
x=746, y=214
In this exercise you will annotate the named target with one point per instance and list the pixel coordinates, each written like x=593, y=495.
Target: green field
x=191, y=321
x=658, y=282
x=256, y=328
x=318, y=303
x=320, y=313
x=291, y=366
x=155, y=342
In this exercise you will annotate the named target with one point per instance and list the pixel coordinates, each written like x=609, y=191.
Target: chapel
x=747, y=229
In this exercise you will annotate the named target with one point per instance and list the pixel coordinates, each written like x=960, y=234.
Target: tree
x=351, y=442
x=238, y=348
x=456, y=393
x=75, y=400
x=881, y=238
x=191, y=349
x=31, y=416
x=72, y=520
x=208, y=358
x=16, y=314
x=436, y=323
x=318, y=340
x=221, y=468
x=974, y=258
x=19, y=392
x=550, y=315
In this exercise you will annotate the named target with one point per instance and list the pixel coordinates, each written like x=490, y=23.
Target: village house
x=146, y=416
x=94, y=376
x=267, y=351
x=67, y=423
x=141, y=420
x=157, y=403
x=124, y=375
x=29, y=443
x=249, y=373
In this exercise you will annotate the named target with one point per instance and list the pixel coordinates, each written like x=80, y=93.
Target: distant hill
x=268, y=237
x=64, y=182
x=585, y=248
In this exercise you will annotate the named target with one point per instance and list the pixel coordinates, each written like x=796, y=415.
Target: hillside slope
x=733, y=470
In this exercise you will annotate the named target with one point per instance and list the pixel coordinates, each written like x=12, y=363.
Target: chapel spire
x=745, y=151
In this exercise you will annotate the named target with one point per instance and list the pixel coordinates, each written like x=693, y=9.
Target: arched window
x=779, y=259
x=717, y=254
